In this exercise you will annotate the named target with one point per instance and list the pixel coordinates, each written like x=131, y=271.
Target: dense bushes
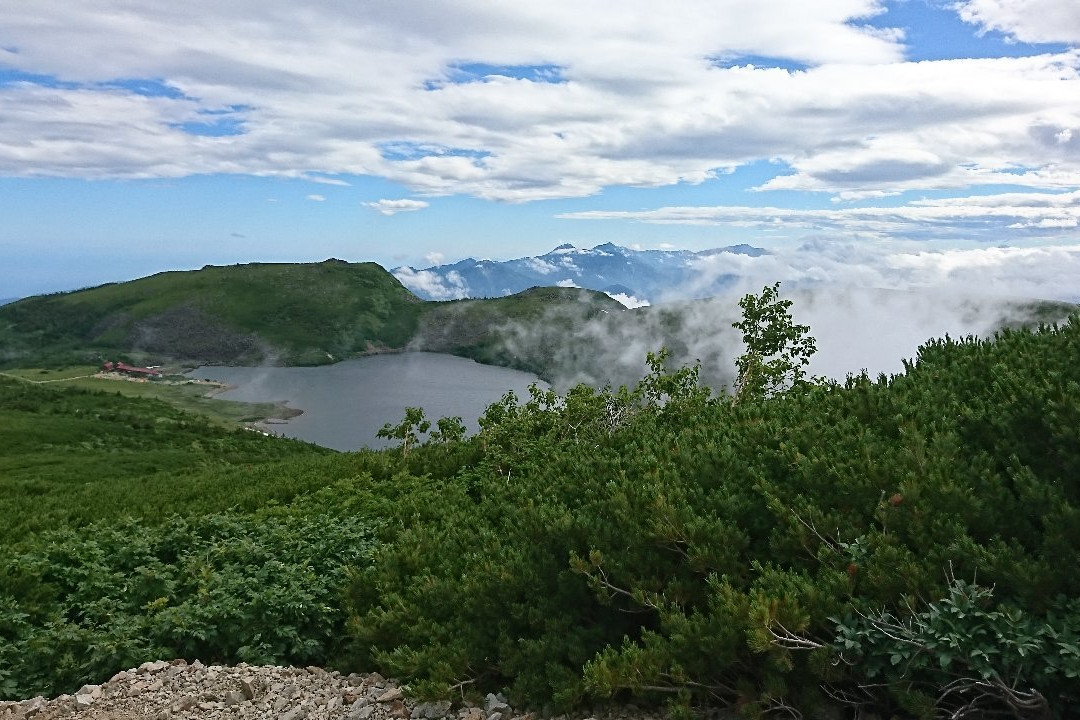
x=73, y=456
x=694, y=549
x=897, y=544
x=76, y=606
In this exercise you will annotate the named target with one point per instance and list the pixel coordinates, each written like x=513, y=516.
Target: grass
x=42, y=375
x=74, y=455
x=279, y=312
x=194, y=397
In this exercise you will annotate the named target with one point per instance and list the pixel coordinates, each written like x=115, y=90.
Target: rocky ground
x=176, y=690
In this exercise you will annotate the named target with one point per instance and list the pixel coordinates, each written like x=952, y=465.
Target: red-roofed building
x=126, y=369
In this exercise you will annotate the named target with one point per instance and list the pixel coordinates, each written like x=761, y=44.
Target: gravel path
x=176, y=690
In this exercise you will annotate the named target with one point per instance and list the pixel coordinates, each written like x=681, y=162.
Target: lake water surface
x=345, y=404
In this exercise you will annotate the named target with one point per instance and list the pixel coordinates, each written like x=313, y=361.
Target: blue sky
x=142, y=137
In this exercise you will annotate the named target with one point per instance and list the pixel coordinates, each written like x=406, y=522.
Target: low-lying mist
x=856, y=329
x=869, y=306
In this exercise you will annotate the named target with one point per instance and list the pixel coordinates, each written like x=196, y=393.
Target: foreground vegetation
x=892, y=544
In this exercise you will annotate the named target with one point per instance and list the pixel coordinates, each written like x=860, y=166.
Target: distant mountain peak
x=740, y=249
x=644, y=275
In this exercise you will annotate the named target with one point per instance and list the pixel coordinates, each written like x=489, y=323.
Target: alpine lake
x=345, y=404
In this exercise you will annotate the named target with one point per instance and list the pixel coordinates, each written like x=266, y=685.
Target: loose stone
x=390, y=695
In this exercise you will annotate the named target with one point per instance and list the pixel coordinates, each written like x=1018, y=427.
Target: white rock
x=361, y=713
x=390, y=695
x=234, y=697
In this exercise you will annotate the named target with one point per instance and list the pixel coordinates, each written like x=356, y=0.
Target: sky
x=138, y=136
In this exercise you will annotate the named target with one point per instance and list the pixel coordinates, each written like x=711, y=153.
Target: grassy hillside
x=73, y=456
x=292, y=314
x=287, y=313
x=192, y=396
x=534, y=330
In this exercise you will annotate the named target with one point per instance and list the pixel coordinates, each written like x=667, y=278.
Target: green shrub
x=968, y=657
x=603, y=544
x=77, y=606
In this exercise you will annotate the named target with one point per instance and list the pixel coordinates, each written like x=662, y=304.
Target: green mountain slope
x=287, y=313
x=534, y=330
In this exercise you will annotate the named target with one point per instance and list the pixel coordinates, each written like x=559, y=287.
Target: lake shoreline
x=343, y=405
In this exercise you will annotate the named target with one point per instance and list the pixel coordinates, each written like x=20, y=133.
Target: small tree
x=450, y=430
x=777, y=350
x=408, y=431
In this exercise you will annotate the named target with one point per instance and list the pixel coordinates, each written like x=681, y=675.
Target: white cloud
x=1044, y=272
x=392, y=207
x=540, y=266
x=566, y=283
x=629, y=301
x=1037, y=272
x=435, y=258
x=317, y=198
x=1033, y=21
x=327, y=181
x=638, y=101
x=970, y=217
x=452, y=287
x=1046, y=223
x=869, y=305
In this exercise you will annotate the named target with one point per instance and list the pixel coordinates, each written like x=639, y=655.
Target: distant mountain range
x=5, y=301
x=635, y=277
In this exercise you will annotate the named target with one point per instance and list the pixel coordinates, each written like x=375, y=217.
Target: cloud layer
x=521, y=101
x=1046, y=273
x=1040, y=21
x=846, y=322
x=976, y=217
x=393, y=207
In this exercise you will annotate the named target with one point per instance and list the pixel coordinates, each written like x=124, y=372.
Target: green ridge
x=289, y=314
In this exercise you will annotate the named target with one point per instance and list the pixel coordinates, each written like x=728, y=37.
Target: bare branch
x=790, y=641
